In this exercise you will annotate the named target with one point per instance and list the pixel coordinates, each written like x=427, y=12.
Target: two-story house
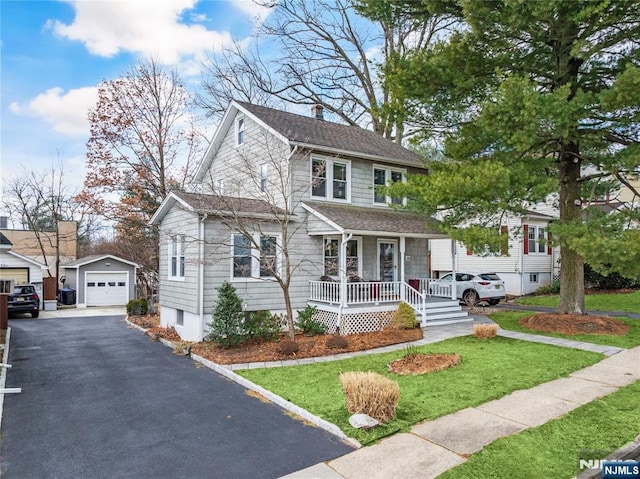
x=292, y=198
x=526, y=262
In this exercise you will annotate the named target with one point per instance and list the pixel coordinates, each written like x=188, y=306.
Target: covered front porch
x=374, y=259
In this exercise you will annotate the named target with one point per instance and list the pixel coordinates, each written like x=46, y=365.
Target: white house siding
x=515, y=268
x=10, y=263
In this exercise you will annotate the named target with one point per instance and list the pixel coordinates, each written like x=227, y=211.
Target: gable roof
x=95, y=258
x=216, y=205
x=4, y=242
x=26, y=259
x=312, y=133
x=382, y=221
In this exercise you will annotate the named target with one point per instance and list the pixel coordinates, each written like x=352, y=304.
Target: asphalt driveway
x=100, y=400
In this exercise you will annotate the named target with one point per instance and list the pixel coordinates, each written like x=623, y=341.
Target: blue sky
x=55, y=53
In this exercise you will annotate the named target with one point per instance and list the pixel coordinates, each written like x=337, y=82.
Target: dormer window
x=384, y=176
x=240, y=131
x=330, y=179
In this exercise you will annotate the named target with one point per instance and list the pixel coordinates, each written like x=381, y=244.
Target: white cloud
x=257, y=13
x=143, y=27
x=65, y=112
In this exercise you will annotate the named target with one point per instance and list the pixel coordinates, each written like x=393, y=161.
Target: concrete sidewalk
x=433, y=447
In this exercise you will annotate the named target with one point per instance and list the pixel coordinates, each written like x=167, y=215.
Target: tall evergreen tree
x=531, y=99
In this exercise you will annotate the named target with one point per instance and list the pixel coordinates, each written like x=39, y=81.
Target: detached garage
x=17, y=269
x=101, y=280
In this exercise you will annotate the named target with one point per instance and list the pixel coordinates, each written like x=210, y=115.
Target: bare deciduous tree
x=326, y=54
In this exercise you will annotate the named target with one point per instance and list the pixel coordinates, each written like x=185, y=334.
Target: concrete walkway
x=432, y=447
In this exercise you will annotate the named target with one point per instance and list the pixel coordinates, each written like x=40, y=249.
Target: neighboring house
x=101, y=280
x=18, y=269
x=527, y=260
x=26, y=243
x=272, y=180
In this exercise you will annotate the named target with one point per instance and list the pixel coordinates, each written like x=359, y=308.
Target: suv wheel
x=470, y=297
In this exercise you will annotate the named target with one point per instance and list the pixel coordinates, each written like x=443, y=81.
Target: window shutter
x=549, y=245
x=504, y=240
x=526, y=239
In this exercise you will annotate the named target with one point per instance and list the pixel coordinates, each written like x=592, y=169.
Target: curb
x=274, y=398
x=630, y=451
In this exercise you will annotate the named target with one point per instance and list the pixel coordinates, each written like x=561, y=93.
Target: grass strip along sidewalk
x=551, y=450
x=489, y=370
x=624, y=302
x=509, y=320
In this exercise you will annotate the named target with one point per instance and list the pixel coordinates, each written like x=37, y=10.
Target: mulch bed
x=575, y=324
x=308, y=346
x=414, y=364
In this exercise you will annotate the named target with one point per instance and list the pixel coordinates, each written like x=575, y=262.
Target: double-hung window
x=537, y=240
x=252, y=261
x=264, y=176
x=330, y=179
x=176, y=256
x=383, y=176
x=332, y=255
x=240, y=131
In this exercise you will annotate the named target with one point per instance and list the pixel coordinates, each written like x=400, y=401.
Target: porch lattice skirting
x=354, y=322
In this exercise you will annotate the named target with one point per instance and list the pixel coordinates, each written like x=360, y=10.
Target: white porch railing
x=376, y=292
x=434, y=288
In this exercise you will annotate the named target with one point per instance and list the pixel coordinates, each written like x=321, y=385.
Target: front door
x=387, y=260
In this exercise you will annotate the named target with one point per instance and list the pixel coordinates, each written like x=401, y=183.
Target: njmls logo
x=584, y=464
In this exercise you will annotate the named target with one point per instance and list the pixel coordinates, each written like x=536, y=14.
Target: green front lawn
x=551, y=450
x=490, y=369
x=509, y=320
x=626, y=302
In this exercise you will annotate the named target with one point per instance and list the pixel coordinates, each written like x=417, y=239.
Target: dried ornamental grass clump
x=370, y=393
x=485, y=331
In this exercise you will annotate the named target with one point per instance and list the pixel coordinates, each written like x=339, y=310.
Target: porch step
x=452, y=316
x=442, y=322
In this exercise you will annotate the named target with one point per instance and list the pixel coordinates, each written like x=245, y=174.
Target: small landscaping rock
x=362, y=421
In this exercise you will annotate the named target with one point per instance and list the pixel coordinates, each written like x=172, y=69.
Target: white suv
x=473, y=288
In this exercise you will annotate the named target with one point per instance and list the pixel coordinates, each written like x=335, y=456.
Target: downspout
x=343, y=275
x=201, y=274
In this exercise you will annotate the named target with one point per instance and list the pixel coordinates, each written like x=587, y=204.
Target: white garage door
x=106, y=289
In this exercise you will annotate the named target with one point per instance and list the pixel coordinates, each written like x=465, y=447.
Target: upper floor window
x=176, y=255
x=383, y=176
x=535, y=240
x=264, y=175
x=330, y=179
x=239, y=131
x=219, y=187
x=251, y=261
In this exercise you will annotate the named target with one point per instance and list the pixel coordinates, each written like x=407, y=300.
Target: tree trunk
x=572, y=264
x=287, y=302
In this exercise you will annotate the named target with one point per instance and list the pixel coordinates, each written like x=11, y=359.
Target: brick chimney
x=316, y=111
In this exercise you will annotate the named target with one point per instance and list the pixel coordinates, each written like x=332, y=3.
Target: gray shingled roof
x=353, y=218
x=309, y=131
x=215, y=204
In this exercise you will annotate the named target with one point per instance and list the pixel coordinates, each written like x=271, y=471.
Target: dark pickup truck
x=24, y=299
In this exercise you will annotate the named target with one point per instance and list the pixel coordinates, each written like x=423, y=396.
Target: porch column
x=401, y=276
x=343, y=268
